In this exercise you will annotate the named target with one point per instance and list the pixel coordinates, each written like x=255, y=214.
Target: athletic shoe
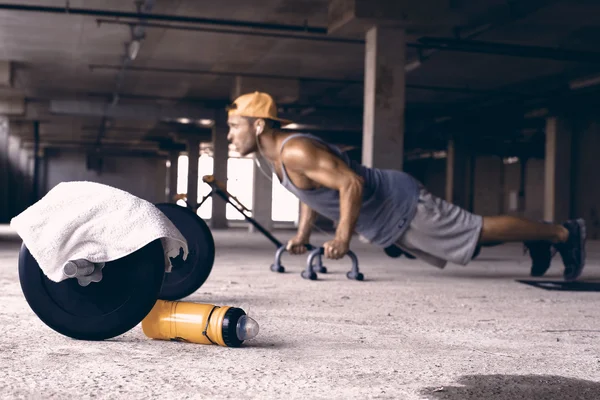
x=573, y=250
x=541, y=253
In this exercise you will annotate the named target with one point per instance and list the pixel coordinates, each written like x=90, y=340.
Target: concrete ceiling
x=67, y=57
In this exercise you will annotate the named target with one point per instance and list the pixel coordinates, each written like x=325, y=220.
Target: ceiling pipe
x=267, y=34
x=505, y=49
x=164, y=18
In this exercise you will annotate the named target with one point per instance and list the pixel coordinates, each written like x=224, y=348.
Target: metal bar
x=513, y=50
x=219, y=188
x=205, y=198
x=319, y=38
x=265, y=232
x=164, y=18
x=464, y=90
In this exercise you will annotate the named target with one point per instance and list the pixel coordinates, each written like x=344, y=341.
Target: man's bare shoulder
x=300, y=152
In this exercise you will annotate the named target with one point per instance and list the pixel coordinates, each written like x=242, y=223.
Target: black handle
x=281, y=249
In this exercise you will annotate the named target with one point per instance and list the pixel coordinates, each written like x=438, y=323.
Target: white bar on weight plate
x=75, y=268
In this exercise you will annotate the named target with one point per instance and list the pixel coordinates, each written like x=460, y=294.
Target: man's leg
x=540, y=251
x=539, y=237
x=506, y=228
x=447, y=232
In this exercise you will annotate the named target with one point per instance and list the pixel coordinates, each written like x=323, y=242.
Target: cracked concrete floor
x=409, y=331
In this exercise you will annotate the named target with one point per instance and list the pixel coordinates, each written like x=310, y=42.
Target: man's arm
x=320, y=166
x=297, y=245
x=307, y=218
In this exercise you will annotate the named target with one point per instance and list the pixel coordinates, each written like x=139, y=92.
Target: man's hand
x=296, y=245
x=336, y=248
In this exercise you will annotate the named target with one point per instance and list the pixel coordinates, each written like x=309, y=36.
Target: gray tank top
x=389, y=199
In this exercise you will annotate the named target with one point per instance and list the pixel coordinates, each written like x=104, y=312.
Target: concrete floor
x=409, y=331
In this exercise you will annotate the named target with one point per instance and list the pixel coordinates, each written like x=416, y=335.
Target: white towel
x=94, y=222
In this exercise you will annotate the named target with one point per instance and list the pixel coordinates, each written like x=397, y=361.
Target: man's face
x=242, y=134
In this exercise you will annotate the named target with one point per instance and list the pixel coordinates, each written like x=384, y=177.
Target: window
x=285, y=206
x=240, y=183
x=205, y=167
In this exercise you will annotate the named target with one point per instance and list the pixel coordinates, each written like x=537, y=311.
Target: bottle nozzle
x=247, y=328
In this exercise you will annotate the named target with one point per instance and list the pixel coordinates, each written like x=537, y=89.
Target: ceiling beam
x=462, y=45
x=233, y=74
x=6, y=74
x=145, y=112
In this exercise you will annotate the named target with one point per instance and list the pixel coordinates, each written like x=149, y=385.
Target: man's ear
x=260, y=126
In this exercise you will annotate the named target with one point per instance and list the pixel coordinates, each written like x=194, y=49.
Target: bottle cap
x=238, y=327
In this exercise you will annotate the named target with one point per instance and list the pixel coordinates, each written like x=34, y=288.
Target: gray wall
x=16, y=174
x=586, y=168
x=495, y=181
x=144, y=177
x=488, y=197
x=534, y=189
x=430, y=172
x=495, y=184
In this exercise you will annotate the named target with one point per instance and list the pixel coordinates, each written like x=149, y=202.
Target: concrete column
x=29, y=160
x=522, y=200
x=172, y=174
x=43, y=173
x=384, y=98
x=220, y=157
x=557, y=178
x=193, y=148
x=459, y=174
x=16, y=175
x=487, y=187
x=4, y=171
x=35, y=178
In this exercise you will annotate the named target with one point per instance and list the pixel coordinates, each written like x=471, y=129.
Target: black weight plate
x=127, y=292
x=188, y=276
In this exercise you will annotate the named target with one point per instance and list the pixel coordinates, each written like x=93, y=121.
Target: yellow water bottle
x=199, y=323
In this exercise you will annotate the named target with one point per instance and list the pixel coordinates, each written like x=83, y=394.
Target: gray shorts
x=441, y=232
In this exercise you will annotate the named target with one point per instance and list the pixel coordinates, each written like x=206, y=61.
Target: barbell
x=129, y=287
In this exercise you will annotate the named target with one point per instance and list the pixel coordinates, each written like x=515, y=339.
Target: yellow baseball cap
x=256, y=105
